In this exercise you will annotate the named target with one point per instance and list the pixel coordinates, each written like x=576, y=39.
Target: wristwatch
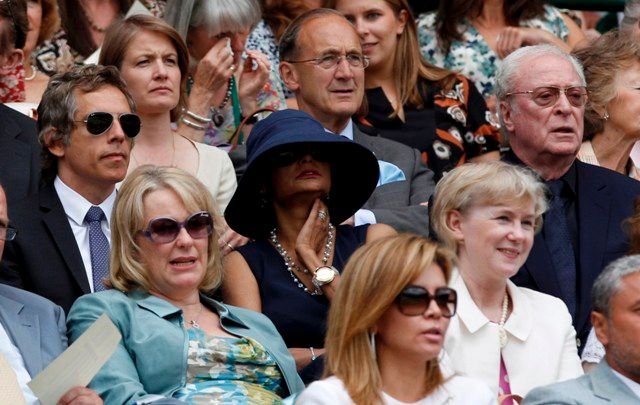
x=323, y=276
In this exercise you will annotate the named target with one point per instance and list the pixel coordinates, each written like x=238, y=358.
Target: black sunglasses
x=99, y=122
x=414, y=300
x=165, y=230
x=286, y=157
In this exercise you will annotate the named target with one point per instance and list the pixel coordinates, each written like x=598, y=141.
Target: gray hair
x=609, y=282
x=288, y=47
x=217, y=16
x=631, y=15
x=506, y=75
x=58, y=106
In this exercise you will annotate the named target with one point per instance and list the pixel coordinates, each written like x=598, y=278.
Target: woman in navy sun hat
x=300, y=184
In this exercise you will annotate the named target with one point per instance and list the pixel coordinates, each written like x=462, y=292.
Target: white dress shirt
x=15, y=360
x=76, y=208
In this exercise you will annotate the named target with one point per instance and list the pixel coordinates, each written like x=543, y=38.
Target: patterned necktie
x=99, y=246
x=558, y=240
x=10, y=392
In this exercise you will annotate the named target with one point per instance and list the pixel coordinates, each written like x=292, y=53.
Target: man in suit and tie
x=541, y=95
x=32, y=335
x=19, y=149
x=333, y=94
x=86, y=127
x=616, y=380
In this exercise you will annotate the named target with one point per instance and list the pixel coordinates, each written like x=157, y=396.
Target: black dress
x=299, y=316
x=452, y=127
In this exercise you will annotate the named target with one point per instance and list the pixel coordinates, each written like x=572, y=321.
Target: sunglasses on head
x=414, y=300
x=288, y=157
x=99, y=122
x=165, y=230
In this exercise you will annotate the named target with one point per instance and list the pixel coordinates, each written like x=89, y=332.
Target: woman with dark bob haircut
x=301, y=183
x=176, y=341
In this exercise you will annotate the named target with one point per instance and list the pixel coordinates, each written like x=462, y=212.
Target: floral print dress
x=472, y=57
x=229, y=370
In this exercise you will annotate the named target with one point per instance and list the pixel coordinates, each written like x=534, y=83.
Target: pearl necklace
x=291, y=265
x=502, y=333
x=34, y=72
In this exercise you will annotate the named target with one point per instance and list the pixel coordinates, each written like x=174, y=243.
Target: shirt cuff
x=364, y=217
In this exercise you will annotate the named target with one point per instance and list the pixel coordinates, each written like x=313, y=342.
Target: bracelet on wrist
x=195, y=116
x=313, y=354
x=193, y=125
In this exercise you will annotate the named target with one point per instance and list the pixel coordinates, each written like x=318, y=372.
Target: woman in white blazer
x=514, y=339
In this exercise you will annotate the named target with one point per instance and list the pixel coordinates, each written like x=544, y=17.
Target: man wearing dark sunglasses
x=541, y=95
x=323, y=64
x=86, y=124
x=19, y=149
x=32, y=334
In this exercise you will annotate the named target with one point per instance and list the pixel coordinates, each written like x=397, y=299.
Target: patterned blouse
x=452, y=127
x=262, y=39
x=472, y=56
x=229, y=370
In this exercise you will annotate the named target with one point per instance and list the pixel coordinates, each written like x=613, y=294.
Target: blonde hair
x=375, y=274
x=475, y=184
x=127, y=272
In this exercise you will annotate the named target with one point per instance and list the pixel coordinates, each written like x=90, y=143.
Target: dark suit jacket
x=19, y=154
x=34, y=325
x=398, y=203
x=44, y=258
x=600, y=386
x=605, y=200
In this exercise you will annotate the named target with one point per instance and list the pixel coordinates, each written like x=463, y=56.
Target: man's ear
x=55, y=145
x=289, y=76
x=506, y=115
x=601, y=326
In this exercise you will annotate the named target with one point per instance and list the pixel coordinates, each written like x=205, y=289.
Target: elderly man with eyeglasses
x=323, y=64
x=541, y=94
x=86, y=124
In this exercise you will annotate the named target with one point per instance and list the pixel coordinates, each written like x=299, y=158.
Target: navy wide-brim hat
x=354, y=171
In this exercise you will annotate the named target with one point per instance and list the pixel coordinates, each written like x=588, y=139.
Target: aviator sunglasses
x=99, y=122
x=166, y=230
x=414, y=300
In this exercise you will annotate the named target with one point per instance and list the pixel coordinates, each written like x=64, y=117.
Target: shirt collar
x=347, y=131
x=164, y=308
x=519, y=323
x=76, y=206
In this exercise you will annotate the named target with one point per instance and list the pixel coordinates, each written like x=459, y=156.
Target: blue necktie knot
x=95, y=214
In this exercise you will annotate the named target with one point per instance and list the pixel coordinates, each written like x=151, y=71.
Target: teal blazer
x=151, y=359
